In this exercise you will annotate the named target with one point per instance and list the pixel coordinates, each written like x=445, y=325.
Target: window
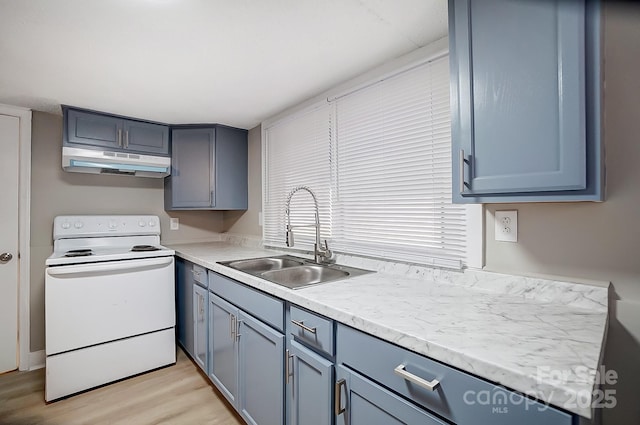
x=297, y=152
x=379, y=160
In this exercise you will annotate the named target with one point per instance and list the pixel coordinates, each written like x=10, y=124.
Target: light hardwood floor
x=177, y=395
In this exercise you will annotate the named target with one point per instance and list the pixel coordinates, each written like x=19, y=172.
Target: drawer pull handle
x=338, y=397
x=303, y=326
x=429, y=385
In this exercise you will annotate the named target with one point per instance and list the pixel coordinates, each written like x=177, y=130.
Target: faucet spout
x=320, y=253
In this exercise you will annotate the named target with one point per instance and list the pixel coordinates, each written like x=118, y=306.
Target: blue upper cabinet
x=525, y=100
x=209, y=169
x=146, y=137
x=192, y=159
x=95, y=130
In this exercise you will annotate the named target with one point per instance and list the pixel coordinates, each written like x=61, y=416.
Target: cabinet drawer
x=368, y=403
x=311, y=329
x=200, y=275
x=459, y=397
x=258, y=304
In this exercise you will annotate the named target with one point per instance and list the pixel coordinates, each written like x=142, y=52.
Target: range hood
x=106, y=162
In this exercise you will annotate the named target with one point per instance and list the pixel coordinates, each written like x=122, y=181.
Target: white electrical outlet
x=506, y=226
x=174, y=224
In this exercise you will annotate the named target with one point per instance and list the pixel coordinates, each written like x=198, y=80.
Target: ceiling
x=235, y=62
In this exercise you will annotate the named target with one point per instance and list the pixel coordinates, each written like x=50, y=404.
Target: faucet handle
x=325, y=252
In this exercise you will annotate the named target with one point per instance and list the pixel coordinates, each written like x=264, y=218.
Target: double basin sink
x=293, y=272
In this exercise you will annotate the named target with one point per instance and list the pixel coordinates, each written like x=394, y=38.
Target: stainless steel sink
x=259, y=265
x=297, y=277
x=293, y=272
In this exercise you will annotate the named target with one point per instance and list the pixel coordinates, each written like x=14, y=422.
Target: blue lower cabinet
x=200, y=321
x=360, y=401
x=309, y=386
x=223, y=346
x=246, y=362
x=261, y=372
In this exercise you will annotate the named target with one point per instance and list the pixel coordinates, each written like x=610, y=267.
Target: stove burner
x=78, y=253
x=137, y=248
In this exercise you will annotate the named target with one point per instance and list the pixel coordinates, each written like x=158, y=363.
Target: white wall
x=597, y=240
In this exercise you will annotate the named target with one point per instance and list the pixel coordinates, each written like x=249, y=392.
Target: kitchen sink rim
x=349, y=272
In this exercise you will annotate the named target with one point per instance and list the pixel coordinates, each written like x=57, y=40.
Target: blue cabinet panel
x=312, y=329
x=525, y=85
x=146, y=137
x=366, y=403
x=231, y=169
x=200, y=321
x=191, y=182
x=209, y=169
x=310, y=388
x=184, y=305
x=223, y=346
x=200, y=276
x=261, y=372
x=92, y=129
x=262, y=306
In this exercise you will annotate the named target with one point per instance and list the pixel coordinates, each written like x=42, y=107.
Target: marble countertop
x=544, y=338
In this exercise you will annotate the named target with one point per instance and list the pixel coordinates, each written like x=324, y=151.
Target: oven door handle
x=110, y=267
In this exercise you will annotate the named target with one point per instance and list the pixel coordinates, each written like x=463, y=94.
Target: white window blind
x=297, y=152
x=379, y=161
x=393, y=156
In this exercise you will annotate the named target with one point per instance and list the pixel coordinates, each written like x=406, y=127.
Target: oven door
x=88, y=304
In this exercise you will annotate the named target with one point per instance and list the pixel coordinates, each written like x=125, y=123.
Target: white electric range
x=109, y=302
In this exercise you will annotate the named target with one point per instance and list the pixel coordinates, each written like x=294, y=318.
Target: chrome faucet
x=321, y=253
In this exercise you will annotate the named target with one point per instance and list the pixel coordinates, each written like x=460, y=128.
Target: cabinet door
x=184, y=305
x=93, y=129
x=310, y=387
x=261, y=372
x=146, y=138
x=190, y=185
x=518, y=97
x=231, y=169
x=200, y=320
x=223, y=346
x=366, y=403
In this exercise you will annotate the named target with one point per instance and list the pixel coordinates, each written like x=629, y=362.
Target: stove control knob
x=141, y=223
x=112, y=225
x=152, y=223
x=78, y=224
x=66, y=225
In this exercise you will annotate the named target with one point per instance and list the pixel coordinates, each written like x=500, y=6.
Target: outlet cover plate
x=506, y=226
x=174, y=224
